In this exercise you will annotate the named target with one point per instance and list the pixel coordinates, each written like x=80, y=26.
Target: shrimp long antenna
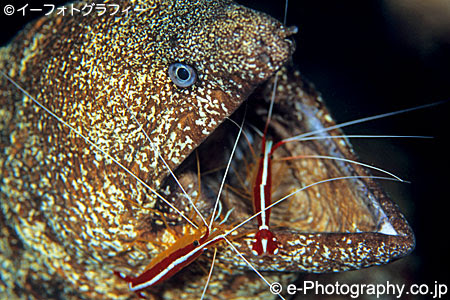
x=226, y=170
x=247, y=262
x=275, y=83
x=246, y=136
x=209, y=274
x=353, y=136
x=345, y=160
x=272, y=100
x=153, y=146
x=304, y=188
x=362, y=120
x=96, y=147
x=332, y=179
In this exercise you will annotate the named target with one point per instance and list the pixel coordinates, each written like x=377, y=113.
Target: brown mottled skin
x=70, y=216
x=75, y=211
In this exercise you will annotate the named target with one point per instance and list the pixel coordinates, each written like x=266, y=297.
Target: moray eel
x=70, y=216
x=72, y=211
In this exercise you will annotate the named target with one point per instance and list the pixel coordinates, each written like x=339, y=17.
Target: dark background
x=365, y=62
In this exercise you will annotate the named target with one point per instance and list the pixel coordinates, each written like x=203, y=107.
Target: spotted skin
x=72, y=208
x=69, y=215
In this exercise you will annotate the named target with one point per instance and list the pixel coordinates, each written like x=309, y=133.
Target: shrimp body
x=266, y=242
x=178, y=256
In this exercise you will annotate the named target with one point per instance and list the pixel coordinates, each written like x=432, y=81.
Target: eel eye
x=196, y=243
x=182, y=75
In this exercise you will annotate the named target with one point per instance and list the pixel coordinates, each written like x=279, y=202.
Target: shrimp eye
x=182, y=75
x=196, y=243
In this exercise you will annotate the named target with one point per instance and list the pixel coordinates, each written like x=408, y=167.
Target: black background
x=358, y=59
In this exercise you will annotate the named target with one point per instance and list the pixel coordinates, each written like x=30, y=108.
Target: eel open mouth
x=340, y=216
